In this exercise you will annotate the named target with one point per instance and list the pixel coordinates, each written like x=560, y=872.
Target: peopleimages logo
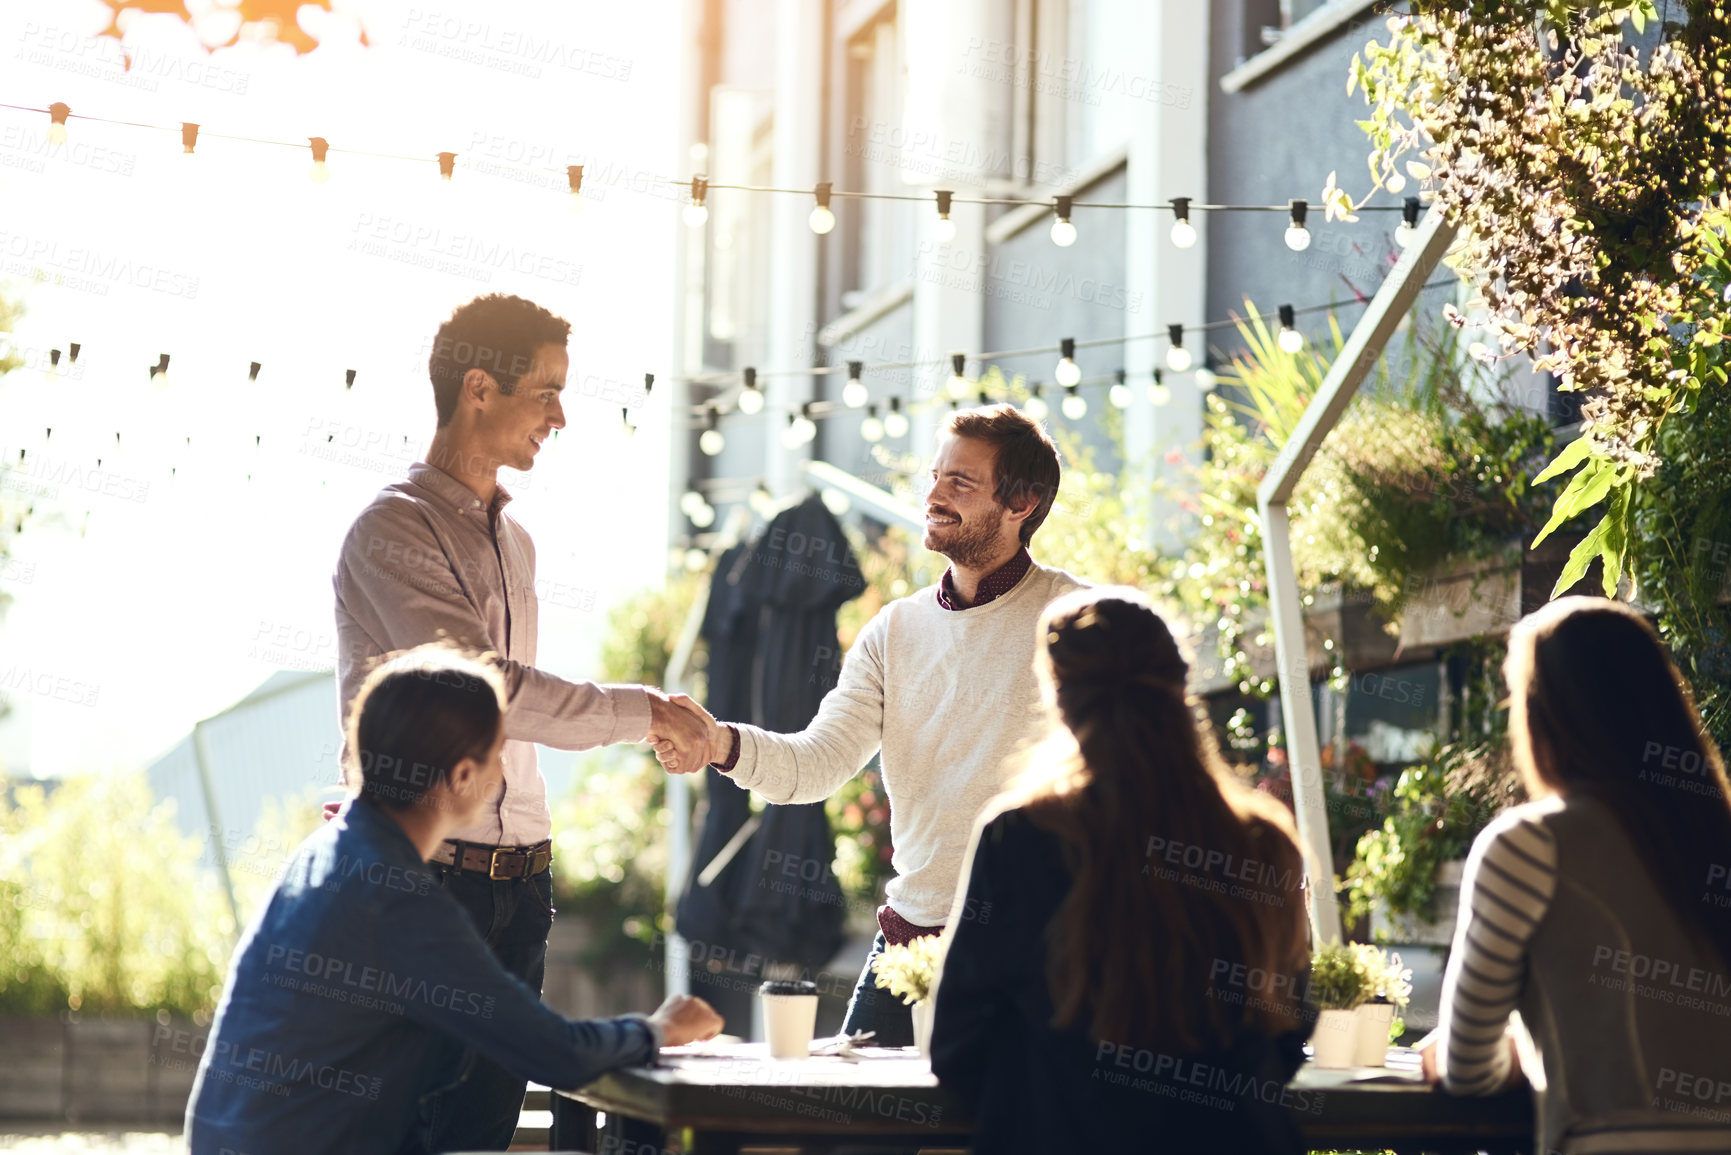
x=367, y=980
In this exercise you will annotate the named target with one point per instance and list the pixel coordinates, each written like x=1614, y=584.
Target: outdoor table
x=712, y=1098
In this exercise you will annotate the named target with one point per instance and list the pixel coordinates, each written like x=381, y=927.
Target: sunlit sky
x=172, y=599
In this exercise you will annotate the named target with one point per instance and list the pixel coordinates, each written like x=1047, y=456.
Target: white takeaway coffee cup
x=789, y=1017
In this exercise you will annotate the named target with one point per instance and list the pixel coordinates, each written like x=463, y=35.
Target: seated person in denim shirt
x=362, y=987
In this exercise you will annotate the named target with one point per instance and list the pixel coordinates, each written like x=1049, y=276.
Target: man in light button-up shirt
x=436, y=556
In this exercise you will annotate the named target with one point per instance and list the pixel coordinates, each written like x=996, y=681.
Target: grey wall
x=1277, y=140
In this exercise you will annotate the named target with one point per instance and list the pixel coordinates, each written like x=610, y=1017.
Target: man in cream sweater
x=942, y=681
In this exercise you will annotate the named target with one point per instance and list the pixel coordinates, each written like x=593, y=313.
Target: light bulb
x=821, y=219
x=944, y=229
x=1119, y=396
x=574, y=179
x=751, y=401
x=320, y=173
x=711, y=442
x=1075, y=407
x=1063, y=232
x=790, y=436
x=56, y=135
x=1290, y=340
x=958, y=385
x=1036, y=409
x=1408, y=227
x=703, y=517
x=696, y=215
x=854, y=393
x=1297, y=236
x=1184, y=234
x=690, y=501
x=805, y=429
x=1068, y=373
x=896, y=423
x=696, y=561
x=1205, y=378
x=1159, y=393
x=872, y=428
x=1177, y=358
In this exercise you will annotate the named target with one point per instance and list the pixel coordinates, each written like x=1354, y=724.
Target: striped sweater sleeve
x=1510, y=877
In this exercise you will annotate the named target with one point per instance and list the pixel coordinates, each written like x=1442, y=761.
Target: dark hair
x=1597, y=708
x=418, y=714
x=1135, y=942
x=1025, y=463
x=497, y=333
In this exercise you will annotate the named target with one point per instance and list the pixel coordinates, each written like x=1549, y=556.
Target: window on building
x=880, y=233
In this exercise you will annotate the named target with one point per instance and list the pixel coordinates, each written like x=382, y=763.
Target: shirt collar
x=370, y=819
x=993, y=586
x=460, y=496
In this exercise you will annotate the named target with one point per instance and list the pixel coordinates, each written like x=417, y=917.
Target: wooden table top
x=891, y=1090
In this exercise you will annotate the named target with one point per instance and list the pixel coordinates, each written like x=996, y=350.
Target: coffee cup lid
x=788, y=987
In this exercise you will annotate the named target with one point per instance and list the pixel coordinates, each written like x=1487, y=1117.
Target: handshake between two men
x=686, y=738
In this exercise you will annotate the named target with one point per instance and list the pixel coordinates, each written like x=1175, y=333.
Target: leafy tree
x=1582, y=148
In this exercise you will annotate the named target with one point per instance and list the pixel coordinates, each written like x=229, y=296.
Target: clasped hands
x=686, y=738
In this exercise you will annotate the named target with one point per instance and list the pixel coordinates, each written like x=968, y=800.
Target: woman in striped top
x=1594, y=948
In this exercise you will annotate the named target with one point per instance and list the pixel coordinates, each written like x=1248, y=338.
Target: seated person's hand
x=685, y=737
x=686, y=1019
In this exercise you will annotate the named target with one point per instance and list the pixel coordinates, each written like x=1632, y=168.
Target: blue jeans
x=480, y=1112
x=874, y=1009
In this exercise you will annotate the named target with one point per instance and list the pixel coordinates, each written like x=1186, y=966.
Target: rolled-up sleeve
x=398, y=584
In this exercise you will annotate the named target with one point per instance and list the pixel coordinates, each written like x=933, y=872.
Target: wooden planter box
x=1458, y=602
x=82, y=1069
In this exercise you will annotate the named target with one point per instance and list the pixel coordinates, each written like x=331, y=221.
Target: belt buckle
x=493, y=864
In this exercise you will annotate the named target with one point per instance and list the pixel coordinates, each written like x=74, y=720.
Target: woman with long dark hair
x=1599, y=911
x=1124, y=969
x=362, y=988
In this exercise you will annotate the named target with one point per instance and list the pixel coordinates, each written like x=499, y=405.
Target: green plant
x=1684, y=516
x=1388, y=979
x=907, y=971
x=1587, y=177
x=1438, y=808
x=1339, y=978
x=102, y=906
x=859, y=814
x=610, y=833
x=1419, y=470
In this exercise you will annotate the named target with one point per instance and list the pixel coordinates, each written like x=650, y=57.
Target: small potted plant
x=1339, y=983
x=1379, y=1021
x=909, y=972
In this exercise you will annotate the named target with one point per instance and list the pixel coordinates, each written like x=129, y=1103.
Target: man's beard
x=972, y=544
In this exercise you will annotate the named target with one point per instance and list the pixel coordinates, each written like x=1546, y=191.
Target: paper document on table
x=1403, y=1067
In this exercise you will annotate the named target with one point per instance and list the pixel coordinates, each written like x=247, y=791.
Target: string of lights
x=1067, y=374
x=822, y=219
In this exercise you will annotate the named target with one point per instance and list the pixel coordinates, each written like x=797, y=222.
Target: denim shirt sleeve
x=454, y=984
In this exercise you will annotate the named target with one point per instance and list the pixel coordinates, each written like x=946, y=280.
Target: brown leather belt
x=496, y=862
